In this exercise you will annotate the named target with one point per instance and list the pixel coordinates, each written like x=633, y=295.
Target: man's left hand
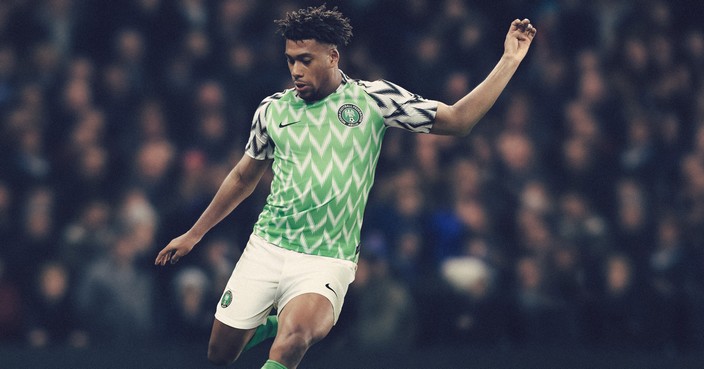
x=518, y=39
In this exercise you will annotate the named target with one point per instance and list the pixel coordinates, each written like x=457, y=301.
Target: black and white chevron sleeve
x=259, y=146
x=400, y=108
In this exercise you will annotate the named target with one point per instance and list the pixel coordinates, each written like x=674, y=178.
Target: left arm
x=460, y=118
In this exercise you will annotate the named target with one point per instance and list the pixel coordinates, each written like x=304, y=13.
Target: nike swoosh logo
x=282, y=124
x=327, y=285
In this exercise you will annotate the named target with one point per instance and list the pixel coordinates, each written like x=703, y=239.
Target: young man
x=322, y=138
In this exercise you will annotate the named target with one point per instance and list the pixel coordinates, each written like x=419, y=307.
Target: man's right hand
x=178, y=247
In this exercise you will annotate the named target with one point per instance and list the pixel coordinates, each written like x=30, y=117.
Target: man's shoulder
x=263, y=111
x=366, y=85
x=281, y=96
x=381, y=89
x=385, y=94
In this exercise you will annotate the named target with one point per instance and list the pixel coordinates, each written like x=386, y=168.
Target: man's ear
x=334, y=56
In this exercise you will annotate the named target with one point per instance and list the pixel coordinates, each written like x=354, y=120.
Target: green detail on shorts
x=323, y=171
x=226, y=299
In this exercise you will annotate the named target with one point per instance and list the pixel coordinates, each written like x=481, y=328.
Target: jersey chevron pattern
x=325, y=154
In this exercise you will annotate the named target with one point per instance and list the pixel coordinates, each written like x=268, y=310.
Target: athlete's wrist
x=511, y=59
x=194, y=235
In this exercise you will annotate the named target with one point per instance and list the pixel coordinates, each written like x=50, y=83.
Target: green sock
x=271, y=364
x=263, y=332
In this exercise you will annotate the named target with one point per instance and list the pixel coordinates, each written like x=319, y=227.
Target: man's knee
x=296, y=342
x=290, y=348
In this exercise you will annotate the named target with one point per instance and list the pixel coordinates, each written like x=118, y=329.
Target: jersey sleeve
x=260, y=146
x=400, y=108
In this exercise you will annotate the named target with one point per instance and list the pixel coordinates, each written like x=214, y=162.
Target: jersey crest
x=350, y=115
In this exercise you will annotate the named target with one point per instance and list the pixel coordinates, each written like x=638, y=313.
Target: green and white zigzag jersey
x=325, y=154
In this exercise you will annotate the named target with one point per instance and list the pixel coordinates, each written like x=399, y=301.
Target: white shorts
x=268, y=276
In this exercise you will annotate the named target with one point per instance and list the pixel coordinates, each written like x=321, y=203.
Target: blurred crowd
x=573, y=214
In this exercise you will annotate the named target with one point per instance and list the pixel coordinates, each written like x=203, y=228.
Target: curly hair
x=320, y=24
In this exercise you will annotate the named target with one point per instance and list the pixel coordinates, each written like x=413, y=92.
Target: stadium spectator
x=115, y=298
x=192, y=314
x=382, y=309
x=53, y=319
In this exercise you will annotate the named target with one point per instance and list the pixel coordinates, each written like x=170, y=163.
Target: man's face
x=313, y=66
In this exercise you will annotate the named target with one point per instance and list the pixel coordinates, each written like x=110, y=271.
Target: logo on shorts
x=226, y=299
x=327, y=285
x=350, y=115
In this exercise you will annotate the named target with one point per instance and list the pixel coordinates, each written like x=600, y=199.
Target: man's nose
x=296, y=70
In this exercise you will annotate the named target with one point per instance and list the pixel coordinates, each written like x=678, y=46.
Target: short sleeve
x=400, y=108
x=259, y=146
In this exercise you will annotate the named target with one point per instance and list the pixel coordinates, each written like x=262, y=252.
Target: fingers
x=530, y=30
x=171, y=253
x=523, y=26
x=174, y=257
x=163, y=256
x=177, y=248
x=166, y=255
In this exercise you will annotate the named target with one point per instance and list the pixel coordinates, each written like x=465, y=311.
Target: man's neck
x=331, y=87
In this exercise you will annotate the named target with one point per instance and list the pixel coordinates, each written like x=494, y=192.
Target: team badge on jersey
x=226, y=299
x=350, y=115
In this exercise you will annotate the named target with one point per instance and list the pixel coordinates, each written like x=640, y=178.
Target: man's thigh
x=305, y=320
x=309, y=314
x=319, y=276
x=250, y=293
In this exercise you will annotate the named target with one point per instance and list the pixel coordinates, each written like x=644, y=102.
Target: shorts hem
x=335, y=314
x=237, y=324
